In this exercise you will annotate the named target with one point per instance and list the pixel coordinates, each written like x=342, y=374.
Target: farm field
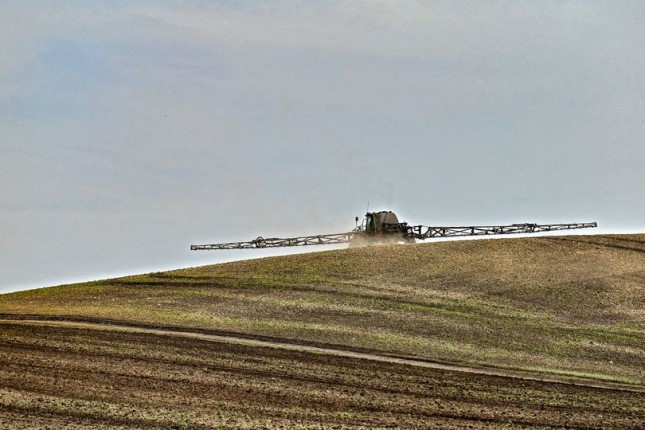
x=536, y=332
x=55, y=377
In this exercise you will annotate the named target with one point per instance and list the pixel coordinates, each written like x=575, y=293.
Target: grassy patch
x=416, y=307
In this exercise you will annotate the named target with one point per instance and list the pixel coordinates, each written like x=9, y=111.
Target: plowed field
x=54, y=377
x=511, y=333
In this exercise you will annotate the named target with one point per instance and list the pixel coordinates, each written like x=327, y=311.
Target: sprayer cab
x=384, y=222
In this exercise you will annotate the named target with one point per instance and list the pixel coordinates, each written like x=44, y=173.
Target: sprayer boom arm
x=424, y=232
x=404, y=231
x=274, y=242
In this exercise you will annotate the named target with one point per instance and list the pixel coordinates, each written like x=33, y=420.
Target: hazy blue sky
x=131, y=129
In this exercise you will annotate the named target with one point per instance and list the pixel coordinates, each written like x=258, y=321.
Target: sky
x=130, y=130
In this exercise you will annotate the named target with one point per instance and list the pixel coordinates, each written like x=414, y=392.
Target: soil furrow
x=291, y=346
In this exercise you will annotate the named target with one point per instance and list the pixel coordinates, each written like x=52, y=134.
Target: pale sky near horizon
x=132, y=129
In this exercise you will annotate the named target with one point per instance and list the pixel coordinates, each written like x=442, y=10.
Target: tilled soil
x=566, y=305
x=63, y=377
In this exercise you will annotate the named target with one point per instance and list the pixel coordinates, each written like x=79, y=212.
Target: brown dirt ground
x=54, y=377
x=569, y=305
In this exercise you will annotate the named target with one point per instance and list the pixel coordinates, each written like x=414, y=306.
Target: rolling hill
x=537, y=332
